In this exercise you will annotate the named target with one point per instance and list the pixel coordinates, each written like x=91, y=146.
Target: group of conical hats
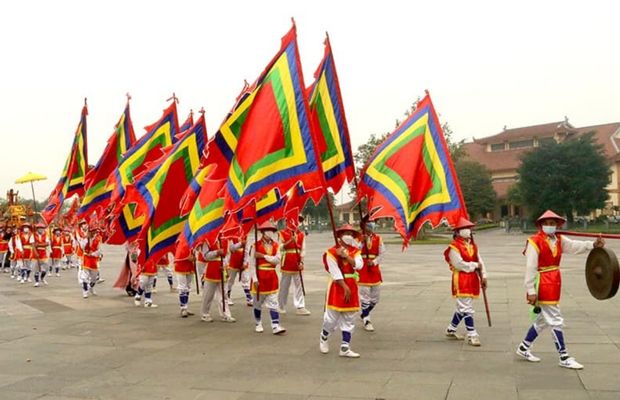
x=464, y=223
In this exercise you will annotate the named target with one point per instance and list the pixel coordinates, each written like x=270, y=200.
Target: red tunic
x=370, y=275
x=91, y=261
x=291, y=251
x=464, y=284
x=40, y=244
x=214, y=269
x=267, y=276
x=57, y=247
x=4, y=244
x=79, y=235
x=28, y=248
x=335, y=293
x=67, y=245
x=236, y=256
x=181, y=264
x=164, y=261
x=549, y=279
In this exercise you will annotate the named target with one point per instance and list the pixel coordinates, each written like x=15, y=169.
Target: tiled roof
x=528, y=132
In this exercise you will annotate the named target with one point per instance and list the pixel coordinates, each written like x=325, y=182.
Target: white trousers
x=298, y=293
x=232, y=276
x=465, y=305
x=41, y=265
x=369, y=294
x=550, y=316
x=184, y=282
x=345, y=321
x=146, y=283
x=268, y=300
x=2, y=258
x=213, y=292
x=88, y=276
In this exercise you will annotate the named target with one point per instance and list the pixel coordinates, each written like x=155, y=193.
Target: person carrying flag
x=213, y=275
x=91, y=256
x=263, y=258
x=24, y=252
x=42, y=250
x=342, y=262
x=293, y=249
x=237, y=265
x=370, y=278
x=468, y=275
x=57, y=251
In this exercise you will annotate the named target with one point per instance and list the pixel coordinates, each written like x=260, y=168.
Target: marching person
x=468, y=276
x=293, y=248
x=263, y=257
x=24, y=252
x=57, y=254
x=12, y=253
x=184, y=269
x=370, y=278
x=5, y=235
x=91, y=256
x=164, y=263
x=543, y=281
x=42, y=249
x=68, y=249
x=237, y=265
x=146, y=276
x=213, y=278
x=342, y=262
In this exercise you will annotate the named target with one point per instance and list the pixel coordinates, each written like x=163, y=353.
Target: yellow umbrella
x=31, y=177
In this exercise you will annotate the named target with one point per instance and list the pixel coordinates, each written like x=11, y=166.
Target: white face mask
x=349, y=240
x=270, y=235
x=465, y=233
x=26, y=230
x=549, y=229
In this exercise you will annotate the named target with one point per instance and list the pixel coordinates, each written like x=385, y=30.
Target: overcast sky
x=486, y=64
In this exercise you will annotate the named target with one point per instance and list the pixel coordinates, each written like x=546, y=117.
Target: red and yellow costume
x=57, y=247
x=214, y=268
x=464, y=284
x=41, y=244
x=293, y=241
x=267, y=276
x=92, y=253
x=370, y=274
x=550, y=279
x=236, y=256
x=335, y=293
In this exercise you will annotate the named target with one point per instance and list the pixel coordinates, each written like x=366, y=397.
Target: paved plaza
x=56, y=345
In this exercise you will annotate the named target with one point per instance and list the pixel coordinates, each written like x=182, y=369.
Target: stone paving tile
x=555, y=394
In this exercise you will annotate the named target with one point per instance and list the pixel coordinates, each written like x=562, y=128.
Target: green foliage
x=476, y=186
x=318, y=212
x=567, y=177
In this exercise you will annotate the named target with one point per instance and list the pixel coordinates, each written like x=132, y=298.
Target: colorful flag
x=411, y=178
x=186, y=126
x=297, y=197
x=330, y=124
x=150, y=147
x=98, y=190
x=158, y=190
x=191, y=193
x=267, y=140
x=207, y=216
x=73, y=174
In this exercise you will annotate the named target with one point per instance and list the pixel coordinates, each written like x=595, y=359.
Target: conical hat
x=549, y=215
x=347, y=228
x=267, y=226
x=463, y=223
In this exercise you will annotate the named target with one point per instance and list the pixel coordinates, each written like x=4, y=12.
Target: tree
x=318, y=212
x=567, y=177
x=476, y=186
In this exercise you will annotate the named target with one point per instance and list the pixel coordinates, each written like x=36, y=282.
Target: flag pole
x=222, y=274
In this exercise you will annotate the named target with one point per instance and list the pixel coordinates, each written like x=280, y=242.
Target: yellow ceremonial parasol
x=31, y=177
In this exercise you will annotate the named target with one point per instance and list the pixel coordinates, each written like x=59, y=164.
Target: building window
x=345, y=217
x=521, y=144
x=546, y=141
x=498, y=147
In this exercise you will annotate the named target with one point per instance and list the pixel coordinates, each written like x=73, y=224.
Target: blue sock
x=324, y=334
x=183, y=299
x=248, y=295
x=366, y=309
x=530, y=336
x=169, y=281
x=558, y=339
x=43, y=273
x=469, y=322
x=257, y=314
x=346, y=338
x=154, y=282
x=85, y=286
x=275, y=317
x=36, y=277
x=456, y=319
x=147, y=295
